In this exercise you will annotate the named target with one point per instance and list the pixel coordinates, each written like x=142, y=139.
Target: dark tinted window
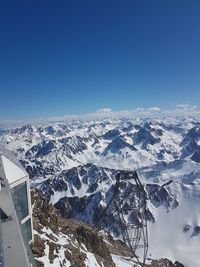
x=19, y=195
x=3, y=216
x=27, y=230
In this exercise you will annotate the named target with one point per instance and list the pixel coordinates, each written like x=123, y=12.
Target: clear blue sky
x=66, y=56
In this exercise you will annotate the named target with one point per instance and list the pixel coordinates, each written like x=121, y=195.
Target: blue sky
x=72, y=57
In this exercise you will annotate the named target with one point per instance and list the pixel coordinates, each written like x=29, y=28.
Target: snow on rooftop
x=13, y=172
x=10, y=155
x=11, y=166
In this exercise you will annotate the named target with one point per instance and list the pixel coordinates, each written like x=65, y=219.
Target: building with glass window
x=15, y=213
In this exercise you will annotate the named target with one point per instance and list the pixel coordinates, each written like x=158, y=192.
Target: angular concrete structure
x=15, y=213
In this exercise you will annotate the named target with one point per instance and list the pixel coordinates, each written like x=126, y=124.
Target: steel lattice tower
x=127, y=206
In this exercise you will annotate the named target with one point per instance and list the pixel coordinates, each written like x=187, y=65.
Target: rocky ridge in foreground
x=72, y=243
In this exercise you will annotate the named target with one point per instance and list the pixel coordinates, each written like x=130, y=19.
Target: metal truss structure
x=127, y=207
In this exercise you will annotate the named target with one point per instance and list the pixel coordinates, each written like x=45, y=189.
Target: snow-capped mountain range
x=75, y=165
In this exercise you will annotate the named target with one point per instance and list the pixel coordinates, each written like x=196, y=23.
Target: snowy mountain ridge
x=75, y=164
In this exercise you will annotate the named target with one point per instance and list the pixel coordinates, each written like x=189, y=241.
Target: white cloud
x=186, y=106
x=180, y=110
x=154, y=109
x=104, y=110
x=182, y=106
x=139, y=109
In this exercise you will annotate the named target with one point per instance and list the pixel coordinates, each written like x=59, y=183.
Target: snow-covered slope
x=117, y=144
x=63, y=242
x=75, y=164
x=60, y=242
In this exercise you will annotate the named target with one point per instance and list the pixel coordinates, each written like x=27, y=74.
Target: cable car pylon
x=126, y=214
